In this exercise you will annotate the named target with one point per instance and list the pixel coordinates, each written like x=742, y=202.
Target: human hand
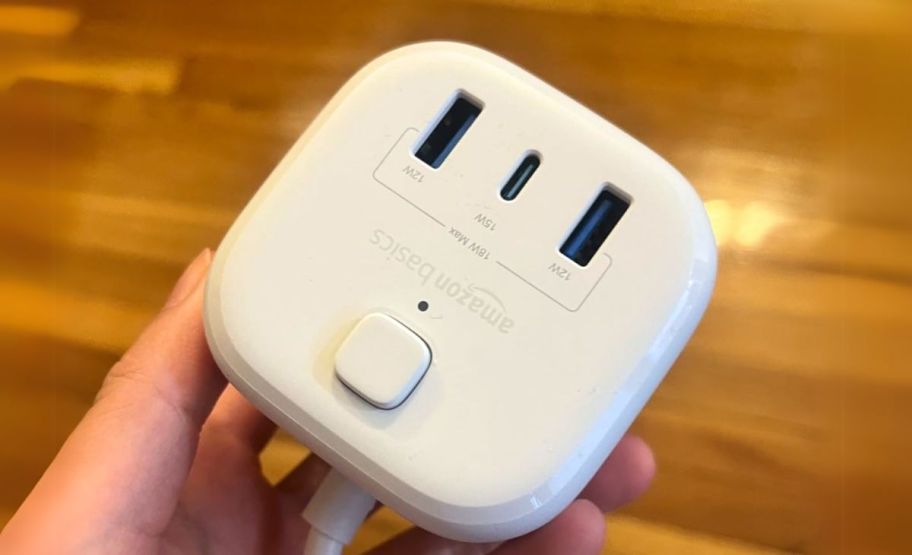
x=167, y=460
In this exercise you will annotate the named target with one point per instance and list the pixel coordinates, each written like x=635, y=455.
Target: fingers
x=124, y=464
x=236, y=417
x=580, y=529
x=623, y=477
x=420, y=542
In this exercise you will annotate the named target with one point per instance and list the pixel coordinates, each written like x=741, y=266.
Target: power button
x=382, y=360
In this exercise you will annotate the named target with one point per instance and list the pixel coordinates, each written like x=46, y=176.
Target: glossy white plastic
x=538, y=365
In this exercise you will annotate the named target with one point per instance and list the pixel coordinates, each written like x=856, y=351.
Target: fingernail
x=191, y=277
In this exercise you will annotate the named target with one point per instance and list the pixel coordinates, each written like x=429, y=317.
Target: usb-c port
x=520, y=177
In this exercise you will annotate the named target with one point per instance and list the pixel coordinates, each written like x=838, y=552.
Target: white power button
x=382, y=360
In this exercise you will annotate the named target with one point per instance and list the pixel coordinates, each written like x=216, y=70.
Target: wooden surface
x=132, y=133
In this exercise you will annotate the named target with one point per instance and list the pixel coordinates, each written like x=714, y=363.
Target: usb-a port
x=594, y=227
x=447, y=131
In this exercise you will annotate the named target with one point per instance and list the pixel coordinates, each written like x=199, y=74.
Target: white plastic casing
x=538, y=365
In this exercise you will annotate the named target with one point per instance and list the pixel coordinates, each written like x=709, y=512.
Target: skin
x=166, y=461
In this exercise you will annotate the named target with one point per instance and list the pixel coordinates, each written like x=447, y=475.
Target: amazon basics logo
x=476, y=300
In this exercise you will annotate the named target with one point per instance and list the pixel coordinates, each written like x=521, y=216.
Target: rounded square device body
x=464, y=337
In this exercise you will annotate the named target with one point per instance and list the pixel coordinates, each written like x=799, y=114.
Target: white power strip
x=459, y=288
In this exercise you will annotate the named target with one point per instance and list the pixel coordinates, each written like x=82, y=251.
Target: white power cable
x=334, y=513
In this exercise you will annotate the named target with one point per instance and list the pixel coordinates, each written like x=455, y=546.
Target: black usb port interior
x=595, y=226
x=447, y=131
x=520, y=177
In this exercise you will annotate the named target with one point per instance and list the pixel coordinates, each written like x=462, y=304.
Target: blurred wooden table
x=132, y=133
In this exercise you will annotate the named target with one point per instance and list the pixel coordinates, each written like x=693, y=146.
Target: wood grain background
x=132, y=133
